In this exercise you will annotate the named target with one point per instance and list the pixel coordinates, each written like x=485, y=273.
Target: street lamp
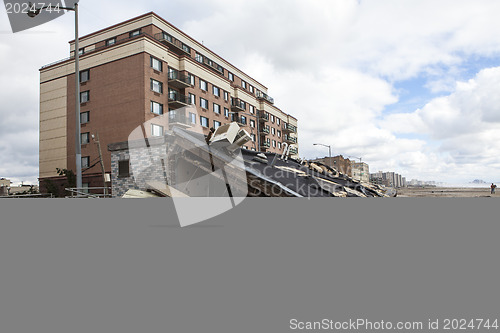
x=78, y=147
x=329, y=151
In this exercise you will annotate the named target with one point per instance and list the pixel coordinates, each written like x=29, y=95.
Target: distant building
x=361, y=171
x=389, y=179
x=339, y=163
x=4, y=182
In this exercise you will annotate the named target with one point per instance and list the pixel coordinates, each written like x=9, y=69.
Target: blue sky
x=410, y=86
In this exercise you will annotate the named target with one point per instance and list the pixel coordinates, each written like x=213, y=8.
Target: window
x=186, y=48
x=84, y=117
x=156, y=64
x=273, y=131
x=252, y=109
x=156, y=86
x=251, y=89
x=230, y=76
x=226, y=95
x=272, y=118
x=85, y=161
x=192, y=117
x=252, y=123
x=216, y=108
x=253, y=137
x=268, y=141
x=216, y=91
x=172, y=94
x=243, y=84
x=203, y=103
x=191, y=79
x=203, y=85
x=85, y=138
x=243, y=120
x=192, y=99
x=111, y=41
x=279, y=134
x=81, y=51
x=279, y=145
x=216, y=124
x=135, y=33
x=198, y=57
x=156, y=108
x=204, y=121
x=274, y=143
x=226, y=112
x=84, y=96
x=84, y=76
x=278, y=121
x=156, y=130
x=124, y=168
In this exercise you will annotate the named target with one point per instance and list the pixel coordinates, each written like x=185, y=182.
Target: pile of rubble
x=217, y=166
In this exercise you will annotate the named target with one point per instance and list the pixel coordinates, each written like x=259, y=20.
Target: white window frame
x=202, y=121
x=216, y=108
x=156, y=130
x=203, y=85
x=156, y=108
x=157, y=86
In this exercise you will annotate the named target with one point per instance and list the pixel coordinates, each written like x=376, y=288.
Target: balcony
x=210, y=64
x=290, y=139
x=288, y=128
x=264, y=130
x=178, y=120
x=237, y=105
x=263, y=116
x=293, y=151
x=265, y=144
x=178, y=80
x=173, y=44
x=265, y=97
x=178, y=101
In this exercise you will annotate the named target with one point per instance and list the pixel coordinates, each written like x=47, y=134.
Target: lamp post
x=329, y=151
x=78, y=147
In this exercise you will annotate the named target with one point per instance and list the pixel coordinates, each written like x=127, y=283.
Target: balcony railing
x=178, y=100
x=179, y=119
x=265, y=144
x=264, y=130
x=178, y=80
x=237, y=104
x=294, y=151
x=263, y=116
x=290, y=139
x=179, y=47
x=289, y=128
x=263, y=96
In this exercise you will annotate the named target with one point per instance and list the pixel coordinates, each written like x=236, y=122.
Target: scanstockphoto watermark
x=25, y=15
x=355, y=325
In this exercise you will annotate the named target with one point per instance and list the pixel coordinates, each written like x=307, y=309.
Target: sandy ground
x=450, y=192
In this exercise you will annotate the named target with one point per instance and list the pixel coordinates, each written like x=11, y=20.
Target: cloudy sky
x=411, y=86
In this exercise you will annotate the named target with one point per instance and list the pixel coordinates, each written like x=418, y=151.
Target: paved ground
x=447, y=192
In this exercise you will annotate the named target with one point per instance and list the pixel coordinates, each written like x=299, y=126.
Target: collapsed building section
x=183, y=163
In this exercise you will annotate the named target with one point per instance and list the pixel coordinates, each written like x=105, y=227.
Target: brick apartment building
x=140, y=69
x=341, y=164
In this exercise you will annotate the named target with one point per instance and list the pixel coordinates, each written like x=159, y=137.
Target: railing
x=265, y=145
x=294, y=150
x=119, y=41
x=238, y=104
x=264, y=130
x=289, y=127
x=290, y=139
x=162, y=37
x=174, y=117
x=179, y=76
x=261, y=95
x=263, y=116
x=179, y=98
x=27, y=196
x=86, y=192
